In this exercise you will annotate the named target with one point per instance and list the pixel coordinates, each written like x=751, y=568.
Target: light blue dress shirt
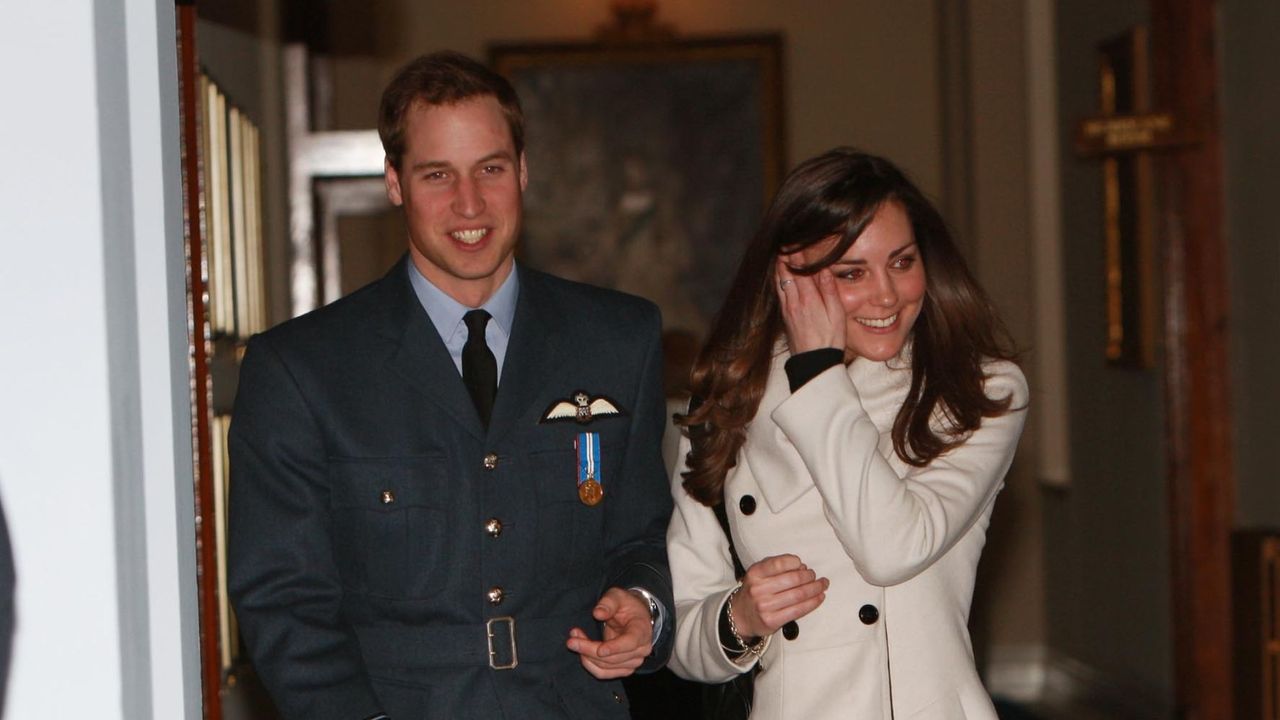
x=446, y=314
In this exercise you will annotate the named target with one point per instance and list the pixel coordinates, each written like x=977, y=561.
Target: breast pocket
x=390, y=526
x=571, y=533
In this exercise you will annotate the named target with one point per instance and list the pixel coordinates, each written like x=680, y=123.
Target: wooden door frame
x=1196, y=371
x=206, y=542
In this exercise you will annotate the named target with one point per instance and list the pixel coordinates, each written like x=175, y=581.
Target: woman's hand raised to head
x=811, y=310
x=774, y=592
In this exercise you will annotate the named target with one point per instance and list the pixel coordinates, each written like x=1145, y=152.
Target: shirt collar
x=446, y=313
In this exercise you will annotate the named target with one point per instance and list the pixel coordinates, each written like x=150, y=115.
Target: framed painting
x=650, y=163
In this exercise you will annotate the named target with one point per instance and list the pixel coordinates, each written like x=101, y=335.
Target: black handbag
x=664, y=696
x=730, y=700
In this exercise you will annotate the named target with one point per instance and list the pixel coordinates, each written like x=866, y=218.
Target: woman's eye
x=851, y=274
x=904, y=262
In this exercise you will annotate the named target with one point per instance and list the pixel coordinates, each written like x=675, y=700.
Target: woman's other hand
x=811, y=309
x=774, y=592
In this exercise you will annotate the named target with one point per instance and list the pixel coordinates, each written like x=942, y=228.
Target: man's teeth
x=880, y=323
x=469, y=237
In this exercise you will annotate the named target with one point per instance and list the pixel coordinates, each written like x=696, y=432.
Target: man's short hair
x=443, y=78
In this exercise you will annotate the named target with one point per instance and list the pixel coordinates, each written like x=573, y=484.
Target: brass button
x=495, y=595
x=490, y=461
x=388, y=497
x=493, y=527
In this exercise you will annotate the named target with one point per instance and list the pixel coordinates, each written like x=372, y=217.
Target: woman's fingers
x=826, y=284
x=774, y=611
x=773, y=565
x=796, y=610
x=774, y=584
x=810, y=308
x=785, y=596
x=775, y=591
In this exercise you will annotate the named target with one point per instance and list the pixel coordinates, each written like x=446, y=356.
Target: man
x=404, y=542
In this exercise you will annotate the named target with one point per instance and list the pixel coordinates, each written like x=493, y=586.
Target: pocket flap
x=387, y=484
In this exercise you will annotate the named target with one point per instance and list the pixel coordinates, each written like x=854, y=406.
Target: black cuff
x=808, y=365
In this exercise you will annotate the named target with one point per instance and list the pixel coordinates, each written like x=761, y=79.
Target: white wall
x=94, y=469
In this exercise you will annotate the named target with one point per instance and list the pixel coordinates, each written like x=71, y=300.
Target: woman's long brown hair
x=838, y=193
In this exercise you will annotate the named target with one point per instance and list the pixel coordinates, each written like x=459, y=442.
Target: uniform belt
x=500, y=643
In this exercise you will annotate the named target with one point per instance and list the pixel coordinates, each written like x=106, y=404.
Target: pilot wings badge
x=581, y=408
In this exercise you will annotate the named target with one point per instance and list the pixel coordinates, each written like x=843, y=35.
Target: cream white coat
x=830, y=489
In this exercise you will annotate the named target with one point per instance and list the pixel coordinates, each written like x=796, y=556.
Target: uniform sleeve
x=281, y=573
x=702, y=573
x=894, y=527
x=640, y=507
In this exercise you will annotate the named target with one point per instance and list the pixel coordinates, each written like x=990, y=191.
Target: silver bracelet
x=757, y=648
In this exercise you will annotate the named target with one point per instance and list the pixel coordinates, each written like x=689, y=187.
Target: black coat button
x=747, y=504
x=868, y=614
x=791, y=630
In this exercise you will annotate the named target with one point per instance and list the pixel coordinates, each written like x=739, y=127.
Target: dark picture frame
x=650, y=163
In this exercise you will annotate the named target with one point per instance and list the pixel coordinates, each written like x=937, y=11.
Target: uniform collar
x=446, y=313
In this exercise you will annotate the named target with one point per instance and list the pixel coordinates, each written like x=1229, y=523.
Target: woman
x=860, y=407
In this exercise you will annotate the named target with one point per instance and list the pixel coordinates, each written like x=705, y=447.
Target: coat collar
x=536, y=354
x=778, y=469
x=419, y=356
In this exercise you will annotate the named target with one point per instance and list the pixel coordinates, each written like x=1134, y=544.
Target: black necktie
x=479, y=368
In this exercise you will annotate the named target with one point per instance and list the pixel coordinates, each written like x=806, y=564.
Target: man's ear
x=392, y=179
x=524, y=171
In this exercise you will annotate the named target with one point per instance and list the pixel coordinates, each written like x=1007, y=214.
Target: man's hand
x=628, y=636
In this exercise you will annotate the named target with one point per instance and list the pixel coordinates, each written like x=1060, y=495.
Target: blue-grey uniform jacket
x=387, y=554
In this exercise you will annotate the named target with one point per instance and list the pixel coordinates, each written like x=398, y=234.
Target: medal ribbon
x=588, y=447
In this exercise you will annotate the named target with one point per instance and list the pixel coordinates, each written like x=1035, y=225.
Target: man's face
x=460, y=183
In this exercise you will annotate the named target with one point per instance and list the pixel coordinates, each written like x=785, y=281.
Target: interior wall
x=95, y=454
x=1107, y=563
x=1010, y=593
x=1251, y=114
x=862, y=74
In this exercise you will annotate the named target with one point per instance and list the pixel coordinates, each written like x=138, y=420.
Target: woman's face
x=881, y=284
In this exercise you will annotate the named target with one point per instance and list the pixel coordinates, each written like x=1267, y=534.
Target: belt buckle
x=488, y=628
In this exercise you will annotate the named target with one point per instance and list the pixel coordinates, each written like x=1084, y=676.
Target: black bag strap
x=722, y=514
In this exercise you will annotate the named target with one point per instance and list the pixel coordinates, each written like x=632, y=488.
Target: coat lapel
x=776, y=465
x=419, y=356
x=531, y=360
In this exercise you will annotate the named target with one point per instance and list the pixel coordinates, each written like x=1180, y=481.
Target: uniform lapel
x=419, y=356
x=536, y=339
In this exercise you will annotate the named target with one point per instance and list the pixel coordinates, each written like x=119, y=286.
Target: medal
x=590, y=487
x=590, y=493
